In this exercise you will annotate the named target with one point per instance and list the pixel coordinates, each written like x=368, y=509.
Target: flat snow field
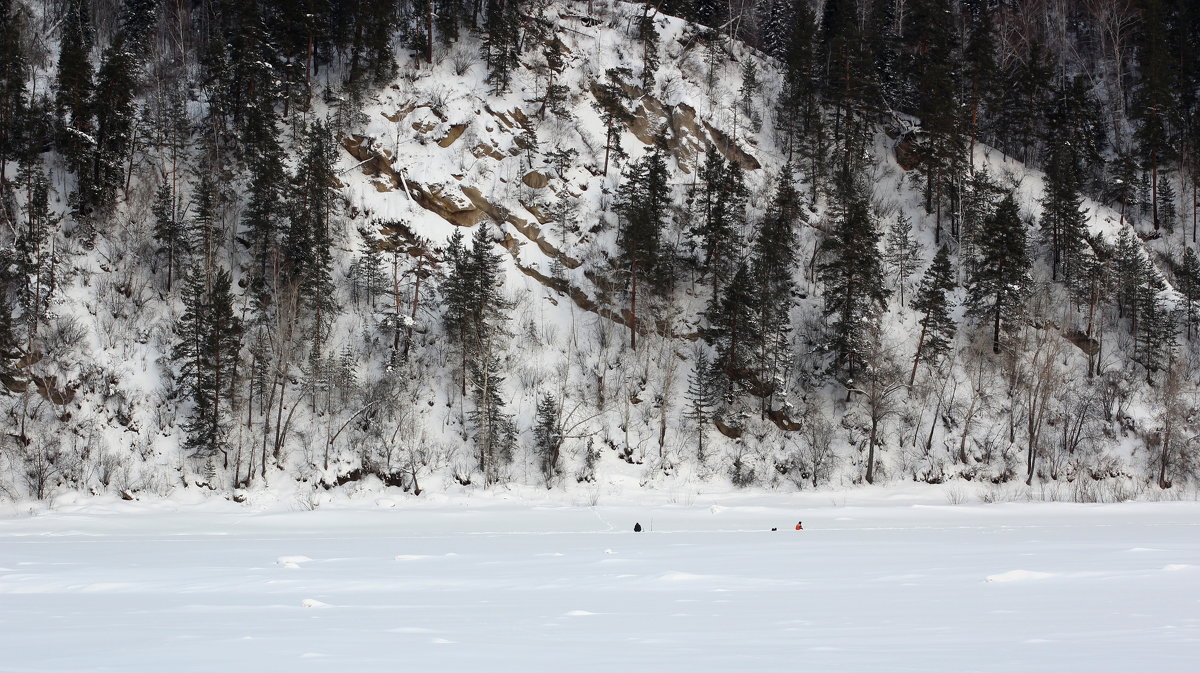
x=486, y=587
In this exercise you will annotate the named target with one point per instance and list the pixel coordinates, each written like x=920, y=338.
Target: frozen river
x=1012, y=588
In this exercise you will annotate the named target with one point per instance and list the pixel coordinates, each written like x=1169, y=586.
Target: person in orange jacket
x=799, y=525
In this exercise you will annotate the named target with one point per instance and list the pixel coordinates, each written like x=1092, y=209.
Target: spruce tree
x=937, y=326
x=798, y=113
x=1000, y=284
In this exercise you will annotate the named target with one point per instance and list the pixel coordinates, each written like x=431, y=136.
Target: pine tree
x=1122, y=183
x=735, y=334
x=702, y=399
x=169, y=231
x=773, y=260
x=1157, y=326
x=937, y=326
x=643, y=209
x=647, y=35
x=1128, y=268
x=369, y=280
x=612, y=105
x=722, y=198
x=798, y=113
x=476, y=313
x=1188, y=284
x=932, y=42
x=1064, y=228
x=204, y=237
x=307, y=247
x=1167, y=210
x=1154, y=99
x=776, y=20
x=747, y=92
x=501, y=42
x=13, y=75
x=454, y=291
x=73, y=102
x=979, y=52
x=1000, y=284
x=206, y=353
x=114, y=112
x=979, y=197
x=852, y=273
x=901, y=252
x=1018, y=119
x=9, y=347
x=37, y=263
x=548, y=435
x=262, y=219
x=495, y=431
x=137, y=20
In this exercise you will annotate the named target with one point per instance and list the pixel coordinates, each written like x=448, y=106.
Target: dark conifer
x=1000, y=284
x=931, y=302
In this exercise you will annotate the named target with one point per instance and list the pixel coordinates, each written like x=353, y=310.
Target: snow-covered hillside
x=384, y=401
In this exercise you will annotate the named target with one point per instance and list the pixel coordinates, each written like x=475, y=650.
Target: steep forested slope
x=262, y=247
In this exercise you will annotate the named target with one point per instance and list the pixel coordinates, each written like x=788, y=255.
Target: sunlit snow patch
x=291, y=561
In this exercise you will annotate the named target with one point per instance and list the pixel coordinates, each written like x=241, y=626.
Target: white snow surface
x=492, y=585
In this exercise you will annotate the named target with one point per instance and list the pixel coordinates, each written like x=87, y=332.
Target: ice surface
x=506, y=587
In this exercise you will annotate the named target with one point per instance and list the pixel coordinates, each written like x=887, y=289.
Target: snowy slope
x=436, y=150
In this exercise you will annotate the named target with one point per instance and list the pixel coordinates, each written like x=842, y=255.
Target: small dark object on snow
x=774, y=529
x=799, y=525
x=637, y=527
